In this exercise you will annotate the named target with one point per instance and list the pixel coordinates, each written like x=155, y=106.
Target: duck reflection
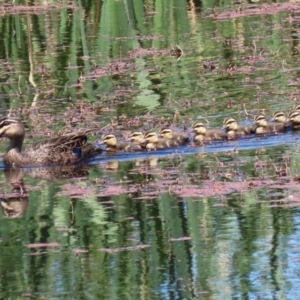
x=60, y=172
x=14, y=204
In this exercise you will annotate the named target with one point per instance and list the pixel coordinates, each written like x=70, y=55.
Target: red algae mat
x=195, y=185
x=36, y=9
x=263, y=9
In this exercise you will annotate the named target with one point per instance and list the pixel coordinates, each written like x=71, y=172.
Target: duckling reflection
x=152, y=162
x=149, y=162
x=112, y=166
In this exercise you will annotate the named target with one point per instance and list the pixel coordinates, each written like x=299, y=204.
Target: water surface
x=213, y=222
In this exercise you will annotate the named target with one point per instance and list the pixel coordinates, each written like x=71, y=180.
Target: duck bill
x=288, y=122
x=100, y=143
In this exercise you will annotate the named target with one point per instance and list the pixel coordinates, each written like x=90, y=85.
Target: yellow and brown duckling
x=263, y=127
x=294, y=119
x=154, y=142
x=137, y=137
x=203, y=135
x=296, y=107
x=176, y=138
x=62, y=150
x=279, y=117
x=234, y=130
x=112, y=144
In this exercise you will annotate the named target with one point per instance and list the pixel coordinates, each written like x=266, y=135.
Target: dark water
x=214, y=222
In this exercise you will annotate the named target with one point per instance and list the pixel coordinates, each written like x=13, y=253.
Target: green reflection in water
x=219, y=226
x=135, y=233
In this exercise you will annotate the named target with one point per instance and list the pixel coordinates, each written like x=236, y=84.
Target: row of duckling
x=166, y=138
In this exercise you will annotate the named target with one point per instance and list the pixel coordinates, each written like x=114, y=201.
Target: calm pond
x=214, y=222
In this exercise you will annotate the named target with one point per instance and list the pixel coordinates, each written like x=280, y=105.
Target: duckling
x=178, y=138
x=279, y=117
x=234, y=131
x=204, y=135
x=296, y=107
x=262, y=126
x=137, y=137
x=153, y=142
x=294, y=118
x=112, y=144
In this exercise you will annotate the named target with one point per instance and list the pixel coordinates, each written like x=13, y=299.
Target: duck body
x=203, y=135
x=177, y=139
x=62, y=150
x=234, y=131
x=154, y=142
x=262, y=126
x=112, y=144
